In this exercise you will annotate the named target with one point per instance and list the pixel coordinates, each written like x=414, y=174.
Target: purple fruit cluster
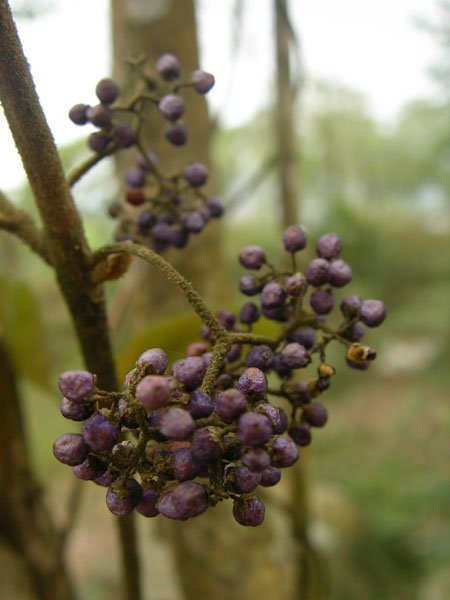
x=177, y=441
x=157, y=210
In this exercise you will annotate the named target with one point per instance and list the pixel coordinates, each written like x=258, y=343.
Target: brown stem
x=75, y=176
x=19, y=223
x=64, y=235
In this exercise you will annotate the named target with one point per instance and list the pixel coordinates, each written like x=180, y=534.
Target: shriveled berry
x=252, y=381
x=277, y=417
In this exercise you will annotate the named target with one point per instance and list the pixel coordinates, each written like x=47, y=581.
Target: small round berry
x=147, y=505
x=76, y=385
x=78, y=114
x=248, y=285
x=248, y=511
x=284, y=452
x=245, y=481
x=295, y=356
x=329, y=246
x=270, y=476
x=135, y=177
x=99, y=115
x=306, y=336
x=340, y=273
x=295, y=285
x=70, y=449
x=294, y=238
x=230, y=404
x=177, y=424
x=254, y=429
x=99, y=433
x=177, y=134
x=122, y=503
x=185, y=466
x=252, y=257
x=300, y=433
x=315, y=414
x=168, y=67
x=272, y=295
x=249, y=313
x=372, y=312
x=202, y=81
x=256, y=459
x=107, y=91
x=153, y=361
x=252, y=381
x=98, y=142
x=350, y=306
x=234, y=353
x=190, y=499
x=124, y=136
x=189, y=371
x=322, y=301
x=215, y=207
x=260, y=357
x=317, y=271
x=196, y=174
x=74, y=410
x=205, y=445
x=153, y=392
x=171, y=107
x=194, y=222
x=200, y=405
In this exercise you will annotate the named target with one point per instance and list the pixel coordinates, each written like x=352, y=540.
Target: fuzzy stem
x=64, y=235
x=74, y=176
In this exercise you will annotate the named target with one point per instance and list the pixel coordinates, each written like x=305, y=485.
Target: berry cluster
x=162, y=210
x=175, y=444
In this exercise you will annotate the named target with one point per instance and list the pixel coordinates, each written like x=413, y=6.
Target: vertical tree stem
x=63, y=230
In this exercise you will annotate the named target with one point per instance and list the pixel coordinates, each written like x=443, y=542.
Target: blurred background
x=369, y=88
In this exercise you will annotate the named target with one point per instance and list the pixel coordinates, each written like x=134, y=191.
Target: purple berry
x=350, y=306
x=107, y=91
x=317, y=271
x=78, y=114
x=272, y=295
x=315, y=414
x=70, y=449
x=135, y=177
x=89, y=470
x=187, y=500
x=372, y=313
x=171, y=107
x=322, y=301
x=177, y=134
x=153, y=361
x=200, y=405
x=196, y=174
x=194, y=222
x=177, y=424
x=168, y=67
x=99, y=115
x=202, y=81
x=294, y=238
x=205, y=445
x=260, y=357
x=122, y=502
x=124, y=136
x=252, y=381
x=270, y=476
x=76, y=385
x=99, y=433
x=104, y=480
x=153, y=392
x=246, y=481
x=147, y=505
x=256, y=459
x=277, y=417
x=98, y=142
x=185, y=466
x=252, y=257
x=254, y=429
x=305, y=337
x=230, y=404
x=295, y=285
x=329, y=246
x=248, y=511
x=340, y=273
x=284, y=452
x=215, y=207
x=248, y=285
x=189, y=371
x=74, y=410
x=300, y=433
x=294, y=356
x=249, y=313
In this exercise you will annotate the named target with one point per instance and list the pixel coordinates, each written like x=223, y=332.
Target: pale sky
x=372, y=47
